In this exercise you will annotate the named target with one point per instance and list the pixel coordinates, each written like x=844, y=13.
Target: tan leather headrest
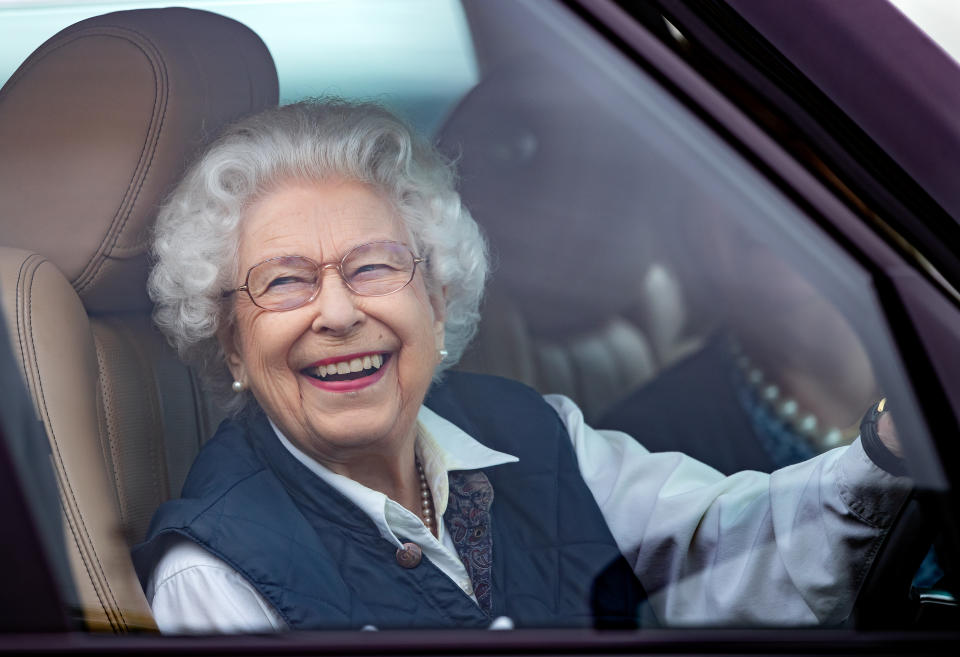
x=101, y=120
x=566, y=187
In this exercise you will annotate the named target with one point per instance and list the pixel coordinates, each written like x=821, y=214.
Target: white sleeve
x=789, y=548
x=193, y=592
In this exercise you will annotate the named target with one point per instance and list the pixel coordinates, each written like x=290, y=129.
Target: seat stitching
x=20, y=301
x=36, y=58
x=86, y=566
x=25, y=317
x=107, y=427
x=154, y=446
x=67, y=486
x=86, y=278
x=140, y=174
x=157, y=443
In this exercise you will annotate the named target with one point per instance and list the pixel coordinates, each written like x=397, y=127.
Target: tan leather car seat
x=580, y=301
x=94, y=128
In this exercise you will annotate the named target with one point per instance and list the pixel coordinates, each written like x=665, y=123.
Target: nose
x=335, y=305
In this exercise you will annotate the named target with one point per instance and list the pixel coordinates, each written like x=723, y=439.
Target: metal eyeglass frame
x=321, y=267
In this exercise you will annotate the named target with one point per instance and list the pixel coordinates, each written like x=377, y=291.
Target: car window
x=648, y=217
x=650, y=272
x=414, y=56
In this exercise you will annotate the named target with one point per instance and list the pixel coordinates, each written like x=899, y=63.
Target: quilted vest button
x=409, y=555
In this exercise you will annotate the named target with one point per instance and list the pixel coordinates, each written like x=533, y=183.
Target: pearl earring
x=237, y=386
x=443, y=353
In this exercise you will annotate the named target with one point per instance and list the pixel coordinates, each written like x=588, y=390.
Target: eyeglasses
x=375, y=269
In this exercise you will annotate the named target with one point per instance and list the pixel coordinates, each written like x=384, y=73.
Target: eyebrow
x=350, y=247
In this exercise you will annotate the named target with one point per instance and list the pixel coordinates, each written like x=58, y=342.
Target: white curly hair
x=197, y=231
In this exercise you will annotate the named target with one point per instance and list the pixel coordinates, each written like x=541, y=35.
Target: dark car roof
x=884, y=72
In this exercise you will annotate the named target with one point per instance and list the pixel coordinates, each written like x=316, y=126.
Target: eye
x=371, y=270
x=378, y=268
x=286, y=284
x=280, y=281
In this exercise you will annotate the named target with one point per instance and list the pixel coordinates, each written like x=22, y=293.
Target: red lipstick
x=348, y=357
x=349, y=385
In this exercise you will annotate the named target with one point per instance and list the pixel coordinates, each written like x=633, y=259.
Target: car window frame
x=824, y=206
x=901, y=276
x=851, y=224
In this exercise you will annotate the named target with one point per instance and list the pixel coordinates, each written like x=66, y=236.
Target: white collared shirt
x=455, y=450
x=747, y=549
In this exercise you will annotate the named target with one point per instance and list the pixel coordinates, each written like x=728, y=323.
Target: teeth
x=346, y=366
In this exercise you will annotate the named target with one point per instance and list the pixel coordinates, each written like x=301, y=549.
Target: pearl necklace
x=426, y=501
x=804, y=423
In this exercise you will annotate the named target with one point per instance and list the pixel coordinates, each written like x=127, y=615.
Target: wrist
x=875, y=426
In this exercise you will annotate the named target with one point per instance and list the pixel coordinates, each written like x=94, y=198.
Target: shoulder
x=470, y=388
x=227, y=475
x=228, y=457
x=181, y=557
x=498, y=412
x=488, y=400
x=191, y=590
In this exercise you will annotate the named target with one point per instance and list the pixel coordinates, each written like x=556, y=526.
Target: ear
x=439, y=303
x=227, y=336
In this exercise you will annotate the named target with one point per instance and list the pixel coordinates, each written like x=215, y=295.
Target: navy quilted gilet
x=323, y=565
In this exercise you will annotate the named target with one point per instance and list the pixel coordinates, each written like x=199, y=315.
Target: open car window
x=415, y=56
x=645, y=266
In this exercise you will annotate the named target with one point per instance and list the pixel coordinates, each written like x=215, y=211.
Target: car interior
x=110, y=110
x=590, y=213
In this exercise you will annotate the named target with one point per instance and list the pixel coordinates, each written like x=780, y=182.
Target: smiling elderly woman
x=317, y=266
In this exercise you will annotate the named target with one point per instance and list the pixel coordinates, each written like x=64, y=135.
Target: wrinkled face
x=294, y=361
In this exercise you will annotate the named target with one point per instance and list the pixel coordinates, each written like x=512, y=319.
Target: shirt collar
x=442, y=447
